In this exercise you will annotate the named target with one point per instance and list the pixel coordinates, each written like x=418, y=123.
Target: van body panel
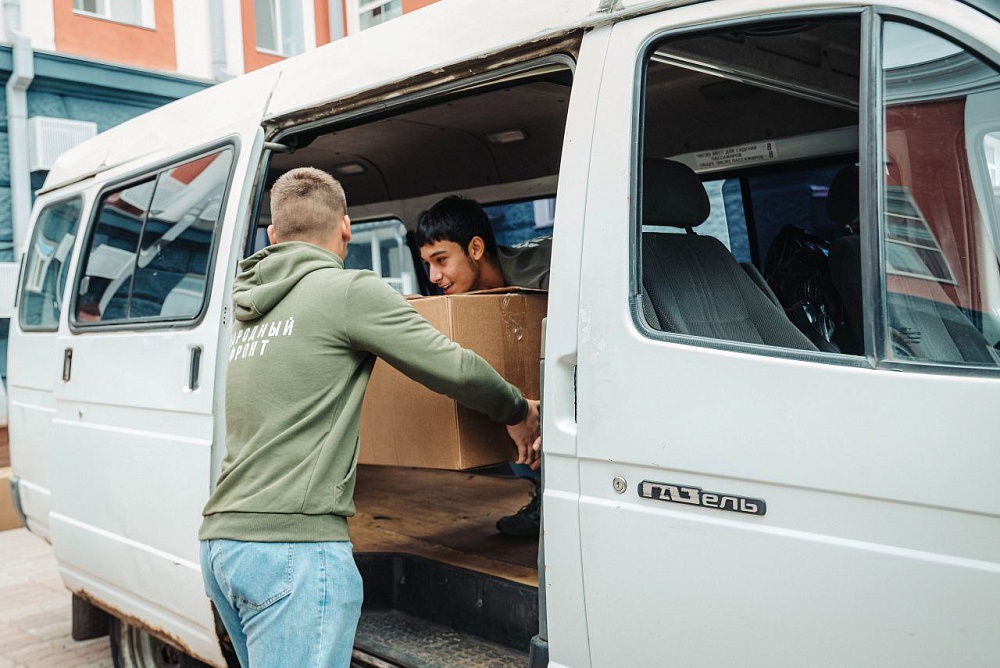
x=422, y=43
x=170, y=130
x=850, y=462
x=30, y=385
x=566, y=616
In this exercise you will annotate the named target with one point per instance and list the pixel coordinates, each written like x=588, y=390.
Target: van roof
x=441, y=33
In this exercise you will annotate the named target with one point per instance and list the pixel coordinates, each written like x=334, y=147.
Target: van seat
x=691, y=283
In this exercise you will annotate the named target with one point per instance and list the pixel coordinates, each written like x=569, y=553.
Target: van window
x=46, y=265
x=742, y=133
x=515, y=222
x=942, y=275
x=380, y=245
x=150, y=246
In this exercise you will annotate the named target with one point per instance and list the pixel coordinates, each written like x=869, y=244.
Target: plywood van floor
x=449, y=516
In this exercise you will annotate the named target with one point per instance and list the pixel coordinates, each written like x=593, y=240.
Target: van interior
x=749, y=158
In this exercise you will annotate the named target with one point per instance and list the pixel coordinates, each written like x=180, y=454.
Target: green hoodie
x=303, y=347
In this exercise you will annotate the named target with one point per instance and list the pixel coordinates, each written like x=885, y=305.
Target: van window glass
x=515, y=222
x=743, y=132
x=110, y=259
x=942, y=275
x=150, y=251
x=46, y=265
x=380, y=246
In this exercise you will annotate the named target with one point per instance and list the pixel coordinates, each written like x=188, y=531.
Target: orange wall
x=96, y=38
x=411, y=5
x=322, y=22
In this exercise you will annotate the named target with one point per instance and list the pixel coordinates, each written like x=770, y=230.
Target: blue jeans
x=285, y=604
x=524, y=471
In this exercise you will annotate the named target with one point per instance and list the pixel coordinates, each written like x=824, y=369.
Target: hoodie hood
x=268, y=275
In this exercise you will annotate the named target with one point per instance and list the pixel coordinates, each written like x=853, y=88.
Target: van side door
x=755, y=491
x=45, y=274
x=134, y=429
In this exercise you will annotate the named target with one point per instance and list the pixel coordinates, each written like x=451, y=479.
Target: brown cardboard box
x=405, y=424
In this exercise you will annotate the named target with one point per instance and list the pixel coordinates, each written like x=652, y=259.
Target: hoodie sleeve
x=380, y=321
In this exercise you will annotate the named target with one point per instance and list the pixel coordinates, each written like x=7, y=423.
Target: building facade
x=73, y=68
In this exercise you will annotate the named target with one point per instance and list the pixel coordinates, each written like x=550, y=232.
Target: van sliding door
x=34, y=344
x=787, y=386
x=134, y=427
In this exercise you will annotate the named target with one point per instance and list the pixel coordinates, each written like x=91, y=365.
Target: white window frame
x=355, y=8
x=147, y=13
x=308, y=27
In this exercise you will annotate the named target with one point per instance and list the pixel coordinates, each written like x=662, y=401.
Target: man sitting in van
x=275, y=553
x=457, y=243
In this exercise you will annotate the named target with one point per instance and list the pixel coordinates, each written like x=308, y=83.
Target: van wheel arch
x=135, y=647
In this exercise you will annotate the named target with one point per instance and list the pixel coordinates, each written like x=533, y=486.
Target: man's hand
x=526, y=435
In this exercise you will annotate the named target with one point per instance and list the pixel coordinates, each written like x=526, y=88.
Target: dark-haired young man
x=457, y=243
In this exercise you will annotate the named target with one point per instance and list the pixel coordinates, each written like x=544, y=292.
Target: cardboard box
x=405, y=424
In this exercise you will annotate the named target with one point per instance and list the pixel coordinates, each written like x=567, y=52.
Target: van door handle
x=195, y=369
x=67, y=365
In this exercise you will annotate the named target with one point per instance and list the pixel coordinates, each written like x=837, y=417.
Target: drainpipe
x=17, y=123
x=217, y=21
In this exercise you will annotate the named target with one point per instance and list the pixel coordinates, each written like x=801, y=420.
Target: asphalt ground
x=35, y=610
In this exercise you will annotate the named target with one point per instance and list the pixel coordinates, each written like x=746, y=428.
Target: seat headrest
x=842, y=199
x=672, y=195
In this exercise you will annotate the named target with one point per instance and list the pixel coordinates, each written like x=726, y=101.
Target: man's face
x=450, y=268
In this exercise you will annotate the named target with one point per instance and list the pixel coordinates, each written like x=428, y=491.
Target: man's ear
x=272, y=236
x=476, y=249
x=345, y=228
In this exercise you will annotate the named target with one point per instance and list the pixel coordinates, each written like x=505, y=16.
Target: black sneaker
x=525, y=522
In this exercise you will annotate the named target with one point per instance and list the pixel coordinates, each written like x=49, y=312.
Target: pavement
x=36, y=612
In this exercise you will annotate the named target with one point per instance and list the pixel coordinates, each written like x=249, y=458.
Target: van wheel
x=133, y=647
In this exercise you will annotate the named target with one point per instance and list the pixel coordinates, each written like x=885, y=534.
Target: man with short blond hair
x=301, y=202
x=275, y=553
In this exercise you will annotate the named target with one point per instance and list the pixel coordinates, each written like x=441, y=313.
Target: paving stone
x=35, y=610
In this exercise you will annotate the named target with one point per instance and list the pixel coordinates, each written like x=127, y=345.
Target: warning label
x=737, y=155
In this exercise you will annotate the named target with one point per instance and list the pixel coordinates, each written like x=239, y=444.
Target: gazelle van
x=771, y=367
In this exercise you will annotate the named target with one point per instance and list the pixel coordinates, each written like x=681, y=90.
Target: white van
x=771, y=364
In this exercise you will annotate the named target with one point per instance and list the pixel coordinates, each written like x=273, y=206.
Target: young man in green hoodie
x=275, y=551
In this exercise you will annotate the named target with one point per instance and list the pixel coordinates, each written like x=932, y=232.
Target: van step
x=406, y=641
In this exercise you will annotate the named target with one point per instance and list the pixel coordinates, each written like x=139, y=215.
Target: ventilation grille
x=50, y=137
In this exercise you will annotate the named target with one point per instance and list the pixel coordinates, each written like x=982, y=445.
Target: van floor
x=447, y=516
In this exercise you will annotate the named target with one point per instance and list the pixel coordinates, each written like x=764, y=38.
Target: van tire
x=134, y=647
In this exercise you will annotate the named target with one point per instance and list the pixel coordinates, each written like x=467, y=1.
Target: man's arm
x=380, y=321
x=525, y=435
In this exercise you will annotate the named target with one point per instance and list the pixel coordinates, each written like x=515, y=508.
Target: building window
x=132, y=12
x=373, y=13
x=279, y=27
